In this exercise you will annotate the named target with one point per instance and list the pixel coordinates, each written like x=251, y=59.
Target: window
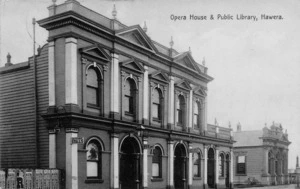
x=197, y=165
x=129, y=97
x=93, y=157
x=180, y=110
x=270, y=163
x=221, y=165
x=156, y=105
x=241, y=165
x=93, y=87
x=197, y=115
x=156, y=163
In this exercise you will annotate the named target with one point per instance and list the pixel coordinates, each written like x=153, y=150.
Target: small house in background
x=261, y=156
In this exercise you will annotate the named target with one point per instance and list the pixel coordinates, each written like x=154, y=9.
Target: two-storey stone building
x=139, y=106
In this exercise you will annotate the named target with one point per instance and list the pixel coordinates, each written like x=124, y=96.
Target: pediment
x=137, y=36
x=160, y=76
x=187, y=60
x=96, y=52
x=184, y=85
x=133, y=65
x=200, y=91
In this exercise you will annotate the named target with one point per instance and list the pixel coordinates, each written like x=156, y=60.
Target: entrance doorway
x=211, y=168
x=227, y=171
x=130, y=164
x=180, y=167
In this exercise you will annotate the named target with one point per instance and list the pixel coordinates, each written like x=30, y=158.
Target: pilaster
x=217, y=167
x=71, y=71
x=190, y=173
x=171, y=103
x=71, y=159
x=51, y=73
x=205, y=167
x=114, y=166
x=145, y=164
x=170, y=165
x=190, y=125
x=52, y=148
x=115, y=91
x=146, y=96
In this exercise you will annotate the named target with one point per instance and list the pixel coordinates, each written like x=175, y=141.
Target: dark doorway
x=130, y=164
x=211, y=168
x=227, y=171
x=180, y=167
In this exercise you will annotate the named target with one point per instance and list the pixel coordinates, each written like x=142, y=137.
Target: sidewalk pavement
x=291, y=186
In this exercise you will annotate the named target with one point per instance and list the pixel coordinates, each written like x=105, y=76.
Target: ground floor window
x=241, y=165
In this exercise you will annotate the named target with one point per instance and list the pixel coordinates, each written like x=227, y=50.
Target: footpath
x=291, y=186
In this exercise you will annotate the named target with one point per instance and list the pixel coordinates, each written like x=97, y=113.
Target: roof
x=248, y=138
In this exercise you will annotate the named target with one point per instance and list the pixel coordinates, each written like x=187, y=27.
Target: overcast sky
x=255, y=64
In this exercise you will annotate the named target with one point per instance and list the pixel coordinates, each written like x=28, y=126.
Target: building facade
x=111, y=108
x=261, y=156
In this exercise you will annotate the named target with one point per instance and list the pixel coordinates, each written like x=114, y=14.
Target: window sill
x=129, y=114
x=94, y=106
x=156, y=179
x=93, y=180
x=197, y=178
x=240, y=174
x=156, y=120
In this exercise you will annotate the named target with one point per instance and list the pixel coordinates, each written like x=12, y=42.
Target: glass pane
x=156, y=96
x=196, y=119
x=155, y=110
x=93, y=152
x=196, y=171
x=155, y=169
x=92, y=78
x=126, y=104
x=92, y=169
x=196, y=108
x=92, y=96
x=241, y=159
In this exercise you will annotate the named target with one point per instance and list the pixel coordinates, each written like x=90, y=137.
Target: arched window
x=180, y=110
x=221, y=165
x=197, y=112
x=93, y=157
x=129, y=96
x=157, y=163
x=197, y=165
x=157, y=105
x=93, y=87
x=269, y=162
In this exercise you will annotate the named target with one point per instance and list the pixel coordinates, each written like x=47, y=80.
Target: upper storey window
x=129, y=96
x=157, y=104
x=181, y=107
x=196, y=115
x=94, y=87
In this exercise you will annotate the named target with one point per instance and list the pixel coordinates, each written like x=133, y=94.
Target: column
x=145, y=164
x=170, y=164
x=114, y=169
x=171, y=103
x=231, y=168
x=71, y=159
x=146, y=96
x=115, y=83
x=205, y=166
x=51, y=73
x=205, y=115
x=217, y=167
x=190, y=112
x=190, y=175
x=52, y=148
x=71, y=71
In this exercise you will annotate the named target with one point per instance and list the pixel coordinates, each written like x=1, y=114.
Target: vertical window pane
x=92, y=95
x=92, y=78
x=155, y=108
x=92, y=169
x=93, y=152
x=155, y=169
x=196, y=120
x=196, y=170
x=241, y=159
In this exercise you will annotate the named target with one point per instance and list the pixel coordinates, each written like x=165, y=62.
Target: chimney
x=239, y=127
x=8, y=63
